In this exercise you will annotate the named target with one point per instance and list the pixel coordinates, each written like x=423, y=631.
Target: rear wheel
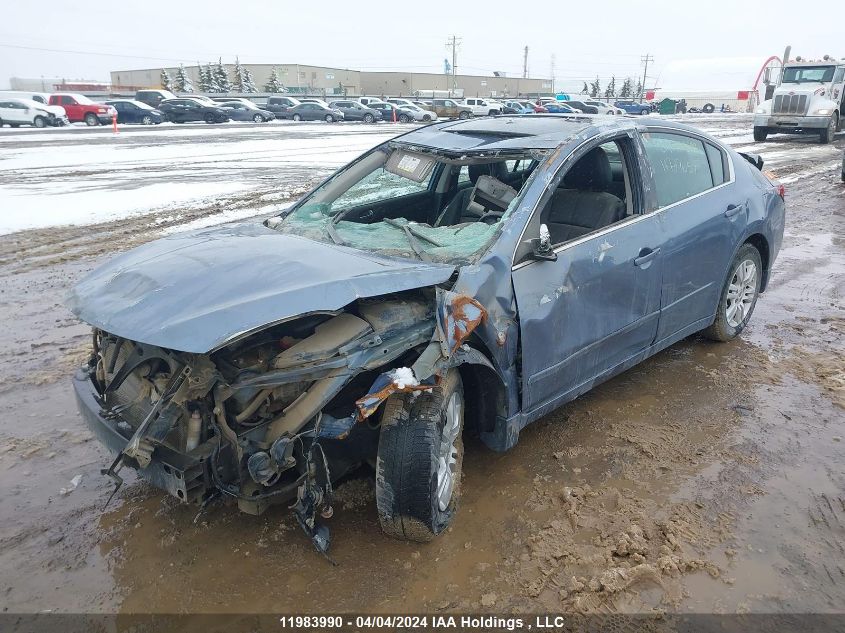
x=420, y=453
x=826, y=135
x=760, y=133
x=739, y=295
x=297, y=117
x=91, y=119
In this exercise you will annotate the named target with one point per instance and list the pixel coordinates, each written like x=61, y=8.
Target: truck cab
x=809, y=99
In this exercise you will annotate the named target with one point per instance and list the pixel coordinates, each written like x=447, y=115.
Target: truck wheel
x=760, y=133
x=463, y=115
x=91, y=119
x=418, y=468
x=708, y=108
x=739, y=295
x=826, y=135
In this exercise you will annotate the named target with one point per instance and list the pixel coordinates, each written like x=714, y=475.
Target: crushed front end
x=274, y=416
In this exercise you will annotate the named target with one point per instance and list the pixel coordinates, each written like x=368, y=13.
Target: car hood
x=59, y=111
x=196, y=291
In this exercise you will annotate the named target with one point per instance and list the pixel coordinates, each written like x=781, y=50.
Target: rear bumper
x=183, y=476
x=791, y=123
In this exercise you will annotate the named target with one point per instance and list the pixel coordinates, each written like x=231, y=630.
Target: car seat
x=582, y=204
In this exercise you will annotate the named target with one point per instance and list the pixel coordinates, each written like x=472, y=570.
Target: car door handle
x=646, y=255
x=733, y=209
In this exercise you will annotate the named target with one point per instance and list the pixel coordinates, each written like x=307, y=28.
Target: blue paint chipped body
x=547, y=319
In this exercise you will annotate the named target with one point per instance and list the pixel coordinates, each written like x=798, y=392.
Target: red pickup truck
x=80, y=108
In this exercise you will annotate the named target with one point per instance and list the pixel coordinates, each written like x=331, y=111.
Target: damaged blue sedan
x=466, y=277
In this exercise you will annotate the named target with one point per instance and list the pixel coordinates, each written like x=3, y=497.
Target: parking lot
x=718, y=468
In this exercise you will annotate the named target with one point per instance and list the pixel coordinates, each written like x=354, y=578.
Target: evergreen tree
x=165, y=80
x=595, y=88
x=273, y=84
x=183, y=82
x=586, y=89
x=203, y=78
x=221, y=82
x=625, y=91
x=610, y=91
x=206, y=78
x=639, y=92
x=249, y=82
x=238, y=83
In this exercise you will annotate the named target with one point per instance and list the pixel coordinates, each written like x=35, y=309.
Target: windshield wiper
x=413, y=239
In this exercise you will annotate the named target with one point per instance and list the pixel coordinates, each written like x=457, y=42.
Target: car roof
x=515, y=132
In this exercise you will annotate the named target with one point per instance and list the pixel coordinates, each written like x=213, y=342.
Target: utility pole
x=525, y=64
x=645, y=60
x=553, y=72
x=454, y=41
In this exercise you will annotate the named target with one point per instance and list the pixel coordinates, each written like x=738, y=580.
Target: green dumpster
x=667, y=106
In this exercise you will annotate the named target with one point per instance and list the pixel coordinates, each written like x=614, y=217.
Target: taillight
x=781, y=191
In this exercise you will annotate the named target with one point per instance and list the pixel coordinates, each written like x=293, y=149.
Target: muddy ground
x=709, y=479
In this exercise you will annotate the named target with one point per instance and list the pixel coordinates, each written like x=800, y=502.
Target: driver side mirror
x=542, y=246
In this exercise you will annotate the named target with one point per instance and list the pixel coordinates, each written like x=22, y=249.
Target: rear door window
x=680, y=166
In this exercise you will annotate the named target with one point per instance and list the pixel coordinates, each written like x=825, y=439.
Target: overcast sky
x=586, y=38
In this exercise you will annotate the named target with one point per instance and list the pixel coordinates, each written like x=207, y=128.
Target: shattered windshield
x=799, y=74
x=417, y=205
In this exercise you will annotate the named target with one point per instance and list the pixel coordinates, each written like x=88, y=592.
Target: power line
x=645, y=60
x=454, y=41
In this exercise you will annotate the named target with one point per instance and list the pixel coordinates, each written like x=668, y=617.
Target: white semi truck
x=809, y=99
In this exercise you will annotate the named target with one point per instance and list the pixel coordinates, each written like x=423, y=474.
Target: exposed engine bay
x=281, y=413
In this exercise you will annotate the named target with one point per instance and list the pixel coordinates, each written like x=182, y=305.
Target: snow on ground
x=85, y=177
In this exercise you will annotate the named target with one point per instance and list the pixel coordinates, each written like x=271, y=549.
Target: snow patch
x=404, y=377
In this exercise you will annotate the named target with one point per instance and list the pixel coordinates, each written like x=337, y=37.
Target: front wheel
x=463, y=115
x=296, y=117
x=146, y=120
x=826, y=135
x=739, y=295
x=760, y=133
x=92, y=120
x=369, y=118
x=644, y=112
x=420, y=453
x=404, y=118
x=258, y=118
x=329, y=118
x=209, y=118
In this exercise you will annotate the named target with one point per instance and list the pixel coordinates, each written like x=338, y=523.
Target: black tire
x=258, y=118
x=146, y=120
x=708, y=108
x=644, y=112
x=407, y=464
x=722, y=329
x=39, y=122
x=208, y=118
x=760, y=133
x=369, y=118
x=426, y=118
x=463, y=115
x=91, y=119
x=826, y=135
x=404, y=118
x=296, y=117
